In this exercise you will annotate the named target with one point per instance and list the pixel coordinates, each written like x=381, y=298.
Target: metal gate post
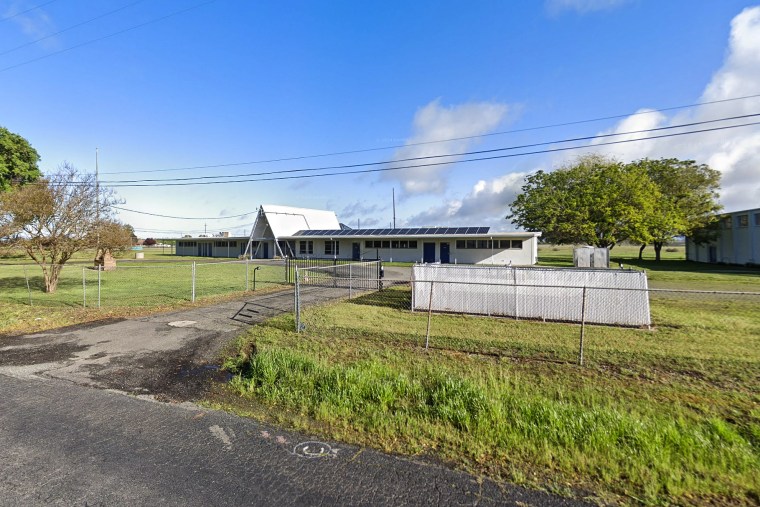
x=349, y=281
x=430, y=312
x=84, y=289
x=192, y=296
x=297, y=302
x=99, y=270
x=246, y=275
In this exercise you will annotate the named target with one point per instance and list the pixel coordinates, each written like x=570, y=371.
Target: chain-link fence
x=138, y=284
x=564, y=325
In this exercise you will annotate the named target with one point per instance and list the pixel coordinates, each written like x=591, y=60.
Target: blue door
x=445, y=259
x=356, y=253
x=428, y=252
x=266, y=250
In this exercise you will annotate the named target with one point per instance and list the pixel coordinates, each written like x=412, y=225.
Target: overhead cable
x=69, y=28
x=504, y=132
x=114, y=34
x=428, y=157
x=492, y=157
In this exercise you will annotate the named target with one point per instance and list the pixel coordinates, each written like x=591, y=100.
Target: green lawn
x=134, y=287
x=664, y=416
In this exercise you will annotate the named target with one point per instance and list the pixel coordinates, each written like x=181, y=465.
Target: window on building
x=306, y=247
x=757, y=219
x=369, y=244
x=332, y=248
x=742, y=220
x=413, y=244
x=385, y=244
x=727, y=223
x=394, y=244
x=517, y=244
x=220, y=244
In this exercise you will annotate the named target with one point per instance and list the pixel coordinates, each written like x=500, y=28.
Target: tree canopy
x=18, y=160
x=688, y=199
x=58, y=216
x=600, y=201
x=595, y=200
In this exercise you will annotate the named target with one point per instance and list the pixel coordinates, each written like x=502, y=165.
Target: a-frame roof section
x=287, y=220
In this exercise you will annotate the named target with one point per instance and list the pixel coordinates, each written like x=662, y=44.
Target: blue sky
x=173, y=84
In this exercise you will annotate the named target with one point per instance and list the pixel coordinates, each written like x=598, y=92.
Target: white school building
x=284, y=231
x=738, y=240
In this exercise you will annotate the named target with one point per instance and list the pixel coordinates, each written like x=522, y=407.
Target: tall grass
x=657, y=417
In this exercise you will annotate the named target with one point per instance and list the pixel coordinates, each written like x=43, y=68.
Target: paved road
x=62, y=442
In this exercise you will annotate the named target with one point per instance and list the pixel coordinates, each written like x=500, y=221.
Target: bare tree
x=56, y=217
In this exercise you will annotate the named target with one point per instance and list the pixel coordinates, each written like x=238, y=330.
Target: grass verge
x=657, y=417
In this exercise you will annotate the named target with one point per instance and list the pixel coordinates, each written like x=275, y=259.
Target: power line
x=28, y=10
x=181, y=218
x=140, y=25
x=428, y=157
x=504, y=132
x=493, y=157
x=69, y=28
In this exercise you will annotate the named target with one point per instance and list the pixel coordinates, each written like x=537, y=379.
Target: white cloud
x=35, y=23
x=433, y=123
x=486, y=204
x=734, y=152
x=583, y=6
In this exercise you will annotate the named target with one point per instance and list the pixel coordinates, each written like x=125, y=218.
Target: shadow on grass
x=386, y=298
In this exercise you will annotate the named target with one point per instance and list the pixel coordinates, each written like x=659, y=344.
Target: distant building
x=738, y=240
x=283, y=231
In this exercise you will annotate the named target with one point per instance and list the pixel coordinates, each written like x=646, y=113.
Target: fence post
x=28, y=289
x=246, y=275
x=430, y=313
x=514, y=282
x=583, y=327
x=192, y=296
x=297, y=302
x=84, y=288
x=99, y=270
x=349, y=281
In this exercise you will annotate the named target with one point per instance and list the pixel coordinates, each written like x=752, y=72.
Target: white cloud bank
x=486, y=204
x=433, y=123
x=734, y=152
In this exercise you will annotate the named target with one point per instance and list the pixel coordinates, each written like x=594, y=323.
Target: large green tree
x=688, y=199
x=58, y=216
x=18, y=160
x=594, y=200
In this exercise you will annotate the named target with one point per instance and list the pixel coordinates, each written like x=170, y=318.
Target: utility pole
x=97, y=205
x=394, y=207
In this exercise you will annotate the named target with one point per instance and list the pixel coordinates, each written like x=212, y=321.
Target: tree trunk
x=657, y=248
x=51, y=278
x=641, y=250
